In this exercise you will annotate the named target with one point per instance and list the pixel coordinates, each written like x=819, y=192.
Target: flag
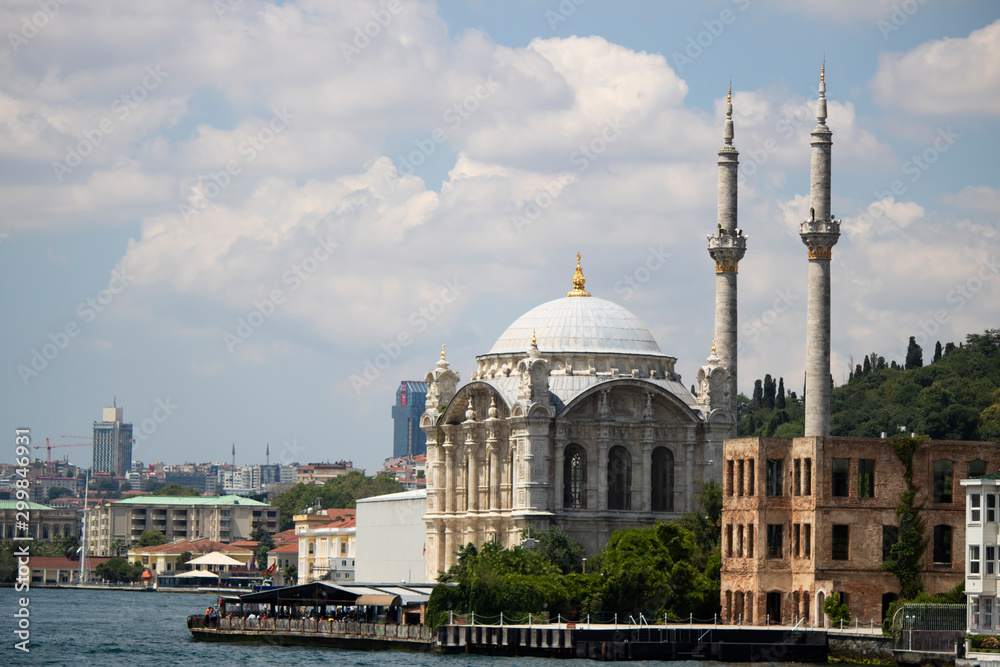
x=425, y=548
x=272, y=569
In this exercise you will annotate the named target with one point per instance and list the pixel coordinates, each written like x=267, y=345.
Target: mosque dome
x=578, y=323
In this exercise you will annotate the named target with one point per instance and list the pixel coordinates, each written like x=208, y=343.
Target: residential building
x=44, y=522
x=112, y=444
x=326, y=545
x=281, y=557
x=41, y=484
x=392, y=538
x=982, y=552
x=55, y=570
x=162, y=559
x=318, y=473
x=223, y=519
x=804, y=519
x=407, y=438
x=192, y=479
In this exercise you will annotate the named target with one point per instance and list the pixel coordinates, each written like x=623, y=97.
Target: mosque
x=576, y=419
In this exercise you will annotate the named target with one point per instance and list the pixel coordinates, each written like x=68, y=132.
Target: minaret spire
x=819, y=233
x=727, y=247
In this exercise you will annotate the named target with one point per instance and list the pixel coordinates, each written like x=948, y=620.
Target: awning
x=197, y=574
x=215, y=558
x=378, y=600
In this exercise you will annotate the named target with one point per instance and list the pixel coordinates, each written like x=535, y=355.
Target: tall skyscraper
x=408, y=439
x=112, y=443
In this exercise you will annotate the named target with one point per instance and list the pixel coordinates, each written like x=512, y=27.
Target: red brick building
x=807, y=518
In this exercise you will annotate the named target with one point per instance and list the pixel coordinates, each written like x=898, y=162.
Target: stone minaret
x=727, y=246
x=820, y=233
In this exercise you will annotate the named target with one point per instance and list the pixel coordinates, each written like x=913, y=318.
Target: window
x=796, y=552
x=739, y=477
x=730, y=466
x=663, y=480
x=773, y=477
x=729, y=540
x=942, y=545
x=942, y=481
x=973, y=559
x=890, y=535
x=343, y=548
x=991, y=560
x=807, y=540
x=974, y=510
x=976, y=469
x=841, y=542
x=750, y=477
x=750, y=541
x=866, y=478
x=739, y=541
x=839, y=478
x=575, y=477
x=807, y=477
x=987, y=607
x=619, y=479
x=774, y=540
x=975, y=612
x=991, y=507
x=797, y=474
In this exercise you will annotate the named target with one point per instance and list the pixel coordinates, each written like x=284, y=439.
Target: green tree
x=914, y=355
x=337, y=493
x=175, y=490
x=290, y=574
x=758, y=396
x=264, y=544
x=119, y=546
x=557, y=547
x=779, y=399
x=937, y=352
x=835, y=610
x=58, y=492
x=767, y=398
x=183, y=560
x=118, y=570
x=151, y=538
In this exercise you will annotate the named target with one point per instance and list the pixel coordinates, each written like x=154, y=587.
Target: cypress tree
x=937, y=352
x=758, y=394
x=868, y=366
x=779, y=400
x=914, y=355
x=768, y=397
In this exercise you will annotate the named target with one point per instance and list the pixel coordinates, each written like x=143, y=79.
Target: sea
x=117, y=627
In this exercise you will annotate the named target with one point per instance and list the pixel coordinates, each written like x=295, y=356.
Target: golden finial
x=533, y=341
x=442, y=350
x=578, y=281
x=713, y=346
x=822, y=72
x=729, y=95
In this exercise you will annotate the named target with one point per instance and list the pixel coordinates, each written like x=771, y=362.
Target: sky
x=247, y=222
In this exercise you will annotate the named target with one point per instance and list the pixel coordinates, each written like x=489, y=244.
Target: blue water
x=84, y=627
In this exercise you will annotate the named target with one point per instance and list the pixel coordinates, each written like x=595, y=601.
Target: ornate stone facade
x=575, y=419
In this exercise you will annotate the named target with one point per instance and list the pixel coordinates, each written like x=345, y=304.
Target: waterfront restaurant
x=316, y=599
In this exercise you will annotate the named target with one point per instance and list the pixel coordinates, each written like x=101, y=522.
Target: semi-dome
x=578, y=323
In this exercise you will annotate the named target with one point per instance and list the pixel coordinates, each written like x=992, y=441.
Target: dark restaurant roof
x=319, y=592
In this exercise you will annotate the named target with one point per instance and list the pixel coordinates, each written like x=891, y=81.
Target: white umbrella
x=199, y=574
x=215, y=558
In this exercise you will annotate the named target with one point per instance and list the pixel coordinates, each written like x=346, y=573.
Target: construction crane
x=49, y=447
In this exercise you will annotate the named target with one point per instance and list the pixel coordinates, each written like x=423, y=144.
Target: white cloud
x=982, y=198
x=943, y=76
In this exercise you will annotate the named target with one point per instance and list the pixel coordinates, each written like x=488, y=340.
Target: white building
x=326, y=548
x=392, y=538
x=981, y=552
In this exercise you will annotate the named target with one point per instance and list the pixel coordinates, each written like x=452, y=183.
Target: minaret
x=820, y=233
x=727, y=247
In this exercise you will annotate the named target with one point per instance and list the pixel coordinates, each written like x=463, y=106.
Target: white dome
x=578, y=324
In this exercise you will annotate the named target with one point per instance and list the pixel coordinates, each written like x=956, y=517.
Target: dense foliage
x=118, y=570
x=151, y=538
x=339, y=492
x=669, y=568
x=956, y=396
x=174, y=490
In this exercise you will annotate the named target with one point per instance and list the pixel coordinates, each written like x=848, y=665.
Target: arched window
x=619, y=479
x=663, y=480
x=575, y=477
